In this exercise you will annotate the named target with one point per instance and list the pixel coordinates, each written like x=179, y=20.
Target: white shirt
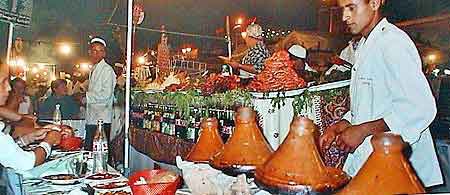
x=11, y=155
x=100, y=94
x=24, y=107
x=387, y=83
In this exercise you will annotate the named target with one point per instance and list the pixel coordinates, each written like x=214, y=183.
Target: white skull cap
x=255, y=31
x=98, y=40
x=297, y=51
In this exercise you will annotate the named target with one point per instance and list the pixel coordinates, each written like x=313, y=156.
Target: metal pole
x=10, y=37
x=128, y=84
x=227, y=23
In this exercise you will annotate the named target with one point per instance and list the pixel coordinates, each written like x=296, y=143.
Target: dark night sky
x=70, y=19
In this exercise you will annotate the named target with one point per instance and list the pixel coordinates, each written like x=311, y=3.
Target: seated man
x=68, y=106
x=18, y=100
x=11, y=155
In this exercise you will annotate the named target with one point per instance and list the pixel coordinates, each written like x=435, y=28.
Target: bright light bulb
x=432, y=57
x=239, y=21
x=20, y=62
x=65, y=49
x=141, y=60
x=34, y=70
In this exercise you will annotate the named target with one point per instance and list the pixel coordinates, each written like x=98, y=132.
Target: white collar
x=378, y=28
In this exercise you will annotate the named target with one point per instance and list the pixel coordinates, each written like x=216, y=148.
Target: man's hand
x=53, y=138
x=331, y=133
x=66, y=131
x=351, y=138
x=34, y=136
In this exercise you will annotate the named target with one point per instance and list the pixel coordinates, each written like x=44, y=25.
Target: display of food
x=111, y=185
x=280, y=173
x=278, y=74
x=103, y=176
x=217, y=83
x=171, y=81
x=70, y=143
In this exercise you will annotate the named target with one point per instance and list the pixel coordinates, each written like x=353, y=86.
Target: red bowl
x=71, y=143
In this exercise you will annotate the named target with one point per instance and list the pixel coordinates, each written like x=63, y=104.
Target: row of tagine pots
x=297, y=165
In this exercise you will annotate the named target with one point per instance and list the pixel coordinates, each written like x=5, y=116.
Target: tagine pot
x=247, y=147
x=386, y=171
x=208, y=144
x=297, y=165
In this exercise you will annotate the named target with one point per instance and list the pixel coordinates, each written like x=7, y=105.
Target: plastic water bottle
x=100, y=150
x=57, y=115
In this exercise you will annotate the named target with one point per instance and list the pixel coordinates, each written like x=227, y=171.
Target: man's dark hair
x=56, y=83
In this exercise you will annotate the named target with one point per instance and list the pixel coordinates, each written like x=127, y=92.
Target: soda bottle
x=100, y=150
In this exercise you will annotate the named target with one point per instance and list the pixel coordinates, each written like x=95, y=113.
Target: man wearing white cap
x=100, y=94
x=253, y=61
x=299, y=55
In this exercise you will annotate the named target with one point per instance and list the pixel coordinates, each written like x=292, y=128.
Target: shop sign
x=22, y=14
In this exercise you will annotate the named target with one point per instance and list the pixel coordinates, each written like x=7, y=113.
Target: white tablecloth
x=58, y=166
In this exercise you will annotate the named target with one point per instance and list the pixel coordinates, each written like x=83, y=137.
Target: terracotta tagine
x=246, y=149
x=386, y=171
x=209, y=142
x=297, y=165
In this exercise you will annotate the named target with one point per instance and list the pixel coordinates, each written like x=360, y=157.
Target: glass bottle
x=57, y=118
x=100, y=150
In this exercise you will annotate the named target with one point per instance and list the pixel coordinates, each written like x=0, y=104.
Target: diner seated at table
x=11, y=154
x=68, y=106
x=18, y=100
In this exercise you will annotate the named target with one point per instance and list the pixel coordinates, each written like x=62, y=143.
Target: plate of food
x=61, y=179
x=102, y=176
x=111, y=185
x=121, y=192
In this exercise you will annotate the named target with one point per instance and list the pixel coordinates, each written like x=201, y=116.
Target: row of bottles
x=167, y=120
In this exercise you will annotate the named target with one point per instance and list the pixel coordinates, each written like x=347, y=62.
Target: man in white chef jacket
x=388, y=92
x=100, y=93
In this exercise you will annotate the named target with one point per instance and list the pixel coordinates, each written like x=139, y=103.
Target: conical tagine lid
x=297, y=164
x=386, y=171
x=247, y=147
x=209, y=142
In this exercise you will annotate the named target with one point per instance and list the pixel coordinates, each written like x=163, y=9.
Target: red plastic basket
x=152, y=189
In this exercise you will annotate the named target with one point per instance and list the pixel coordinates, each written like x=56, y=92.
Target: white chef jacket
x=100, y=94
x=387, y=83
x=11, y=155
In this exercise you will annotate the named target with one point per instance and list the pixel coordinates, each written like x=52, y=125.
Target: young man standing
x=388, y=93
